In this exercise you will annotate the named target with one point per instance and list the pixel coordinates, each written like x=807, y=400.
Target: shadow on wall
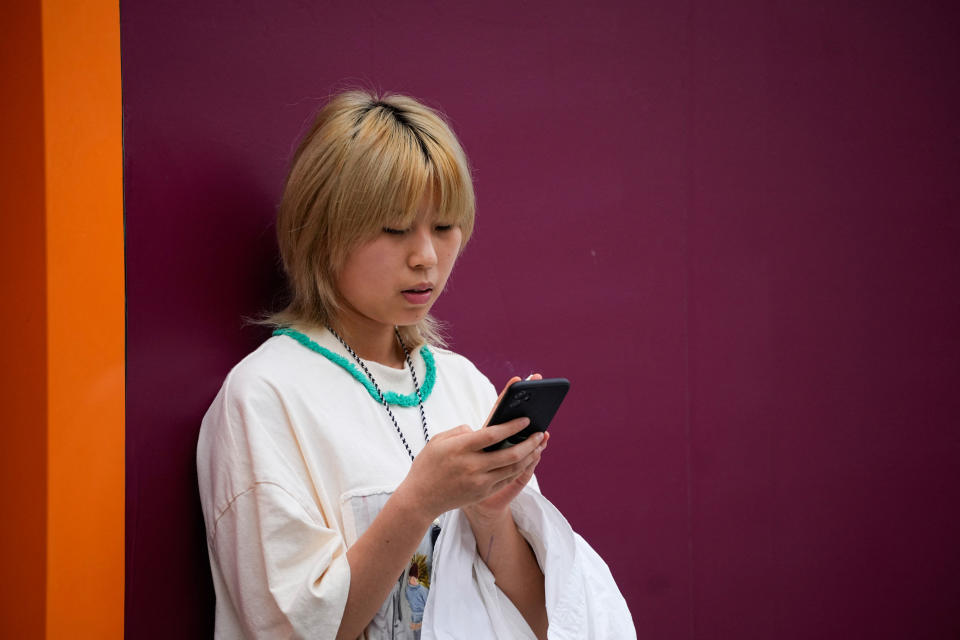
x=192, y=276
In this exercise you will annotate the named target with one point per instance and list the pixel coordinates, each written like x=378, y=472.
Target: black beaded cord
x=416, y=387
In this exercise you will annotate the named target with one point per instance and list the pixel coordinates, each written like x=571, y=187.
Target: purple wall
x=736, y=230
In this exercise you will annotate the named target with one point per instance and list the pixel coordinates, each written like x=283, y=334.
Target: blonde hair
x=366, y=163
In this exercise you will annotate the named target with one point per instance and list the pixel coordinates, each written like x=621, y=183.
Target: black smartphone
x=535, y=399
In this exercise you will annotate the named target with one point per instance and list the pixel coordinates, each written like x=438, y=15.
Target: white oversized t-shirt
x=295, y=459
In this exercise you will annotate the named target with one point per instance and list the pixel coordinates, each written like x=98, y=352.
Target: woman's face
x=394, y=278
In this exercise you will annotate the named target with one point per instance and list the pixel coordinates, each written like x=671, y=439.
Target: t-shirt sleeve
x=279, y=569
x=286, y=575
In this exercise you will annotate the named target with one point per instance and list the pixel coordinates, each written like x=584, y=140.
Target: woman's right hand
x=453, y=470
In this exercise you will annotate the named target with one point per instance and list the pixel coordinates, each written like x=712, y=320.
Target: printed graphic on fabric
x=401, y=615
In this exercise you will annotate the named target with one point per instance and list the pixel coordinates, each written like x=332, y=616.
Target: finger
x=527, y=473
x=532, y=461
x=535, y=376
x=535, y=459
x=512, y=455
x=452, y=433
x=506, y=475
x=520, y=472
x=501, y=485
x=496, y=432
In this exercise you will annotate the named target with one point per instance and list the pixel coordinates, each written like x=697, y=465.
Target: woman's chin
x=413, y=316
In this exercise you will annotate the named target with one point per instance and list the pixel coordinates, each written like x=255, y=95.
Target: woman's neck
x=372, y=341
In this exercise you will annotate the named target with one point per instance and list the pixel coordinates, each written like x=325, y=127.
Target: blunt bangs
x=399, y=154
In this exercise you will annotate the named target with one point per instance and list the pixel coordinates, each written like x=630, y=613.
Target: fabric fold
x=583, y=601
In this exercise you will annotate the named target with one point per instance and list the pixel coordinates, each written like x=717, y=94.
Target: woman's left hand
x=496, y=505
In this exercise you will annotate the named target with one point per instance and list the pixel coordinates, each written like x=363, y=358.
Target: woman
x=331, y=452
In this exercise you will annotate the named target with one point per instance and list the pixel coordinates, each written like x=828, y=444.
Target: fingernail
x=538, y=437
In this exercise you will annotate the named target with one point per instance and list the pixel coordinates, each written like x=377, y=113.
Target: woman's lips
x=418, y=295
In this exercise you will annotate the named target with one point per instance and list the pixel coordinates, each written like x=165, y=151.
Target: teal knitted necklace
x=388, y=397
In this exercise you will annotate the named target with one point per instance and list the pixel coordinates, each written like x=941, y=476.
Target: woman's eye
x=443, y=227
x=395, y=232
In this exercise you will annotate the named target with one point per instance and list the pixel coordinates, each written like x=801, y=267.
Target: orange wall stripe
x=23, y=467
x=85, y=319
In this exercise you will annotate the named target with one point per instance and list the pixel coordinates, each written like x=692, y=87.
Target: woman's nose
x=422, y=253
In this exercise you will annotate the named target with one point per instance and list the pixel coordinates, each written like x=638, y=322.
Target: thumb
x=453, y=433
